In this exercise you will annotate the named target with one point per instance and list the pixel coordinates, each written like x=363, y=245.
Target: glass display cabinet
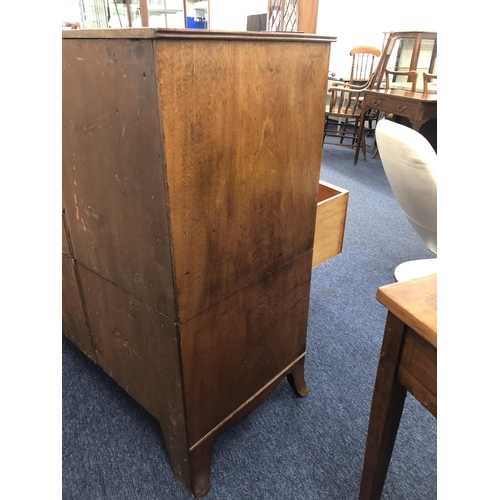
x=407, y=51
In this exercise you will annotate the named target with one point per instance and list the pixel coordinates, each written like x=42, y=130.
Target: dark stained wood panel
x=65, y=243
x=74, y=323
x=113, y=172
x=137, y=347
x=417, y=369
x=233, y=349
x=241, y=194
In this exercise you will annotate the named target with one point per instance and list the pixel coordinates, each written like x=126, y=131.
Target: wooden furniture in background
x=391, y=76
x=292, y=15
x=404, y=51
x=408, y=51
x=342, y=115
x=363, y=62
x=308, y=15
x=143, y=4
x=417, y=107
x=343, y=110
x=408, y=361
x=428, y=77
x=188, y=230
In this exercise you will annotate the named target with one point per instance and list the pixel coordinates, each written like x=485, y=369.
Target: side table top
x=415, y=303
x=402, y=94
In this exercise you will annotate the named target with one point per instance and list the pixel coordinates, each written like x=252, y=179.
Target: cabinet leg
x=191, y=466
x=296, y=379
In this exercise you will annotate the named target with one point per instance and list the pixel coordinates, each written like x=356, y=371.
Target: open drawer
x=330, y=222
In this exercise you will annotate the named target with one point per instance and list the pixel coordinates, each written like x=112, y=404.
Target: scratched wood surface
x=137, y=346
x=243, y=126
x=74, y=323
x=65, y=242
x=113, y=171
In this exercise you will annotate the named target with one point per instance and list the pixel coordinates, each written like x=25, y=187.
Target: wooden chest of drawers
x=190, y=178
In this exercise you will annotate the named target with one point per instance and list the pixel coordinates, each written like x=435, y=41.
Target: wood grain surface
x=330, y=222
x=113, y=170
x=234, y=348
x=138, y=347
x=408, y=362
x=417, y=370
x=190, y=178
x=241, y=194
x=415, y=303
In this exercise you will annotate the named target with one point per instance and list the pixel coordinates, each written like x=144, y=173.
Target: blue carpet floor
x=290, y=448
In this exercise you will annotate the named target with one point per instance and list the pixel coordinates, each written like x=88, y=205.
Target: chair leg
x=355, y=133
x=363, y=143
x=341, y=128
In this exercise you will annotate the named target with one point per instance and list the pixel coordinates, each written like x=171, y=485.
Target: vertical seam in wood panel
x=78, y=281
x=66, y=230
x=169, y=229
x=84, y=305
x=165, y=183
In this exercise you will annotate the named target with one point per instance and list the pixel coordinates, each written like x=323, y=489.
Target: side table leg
x=361, y=130
x=297, y=380
x=191, y=466
x=387, y=405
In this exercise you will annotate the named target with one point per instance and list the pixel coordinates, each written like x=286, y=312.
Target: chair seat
x=343, y=111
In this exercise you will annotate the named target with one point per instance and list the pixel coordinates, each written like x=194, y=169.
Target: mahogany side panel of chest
x=190, y=180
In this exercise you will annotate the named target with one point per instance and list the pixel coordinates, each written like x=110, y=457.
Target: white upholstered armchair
x=410, y=164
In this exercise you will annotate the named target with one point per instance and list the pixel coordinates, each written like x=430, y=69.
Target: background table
x=416, y=107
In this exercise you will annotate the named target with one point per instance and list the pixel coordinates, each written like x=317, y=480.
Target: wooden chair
x=343, y=112
x=342, y=116
x=363, y=73
x=363, y=62
x=411, y=77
